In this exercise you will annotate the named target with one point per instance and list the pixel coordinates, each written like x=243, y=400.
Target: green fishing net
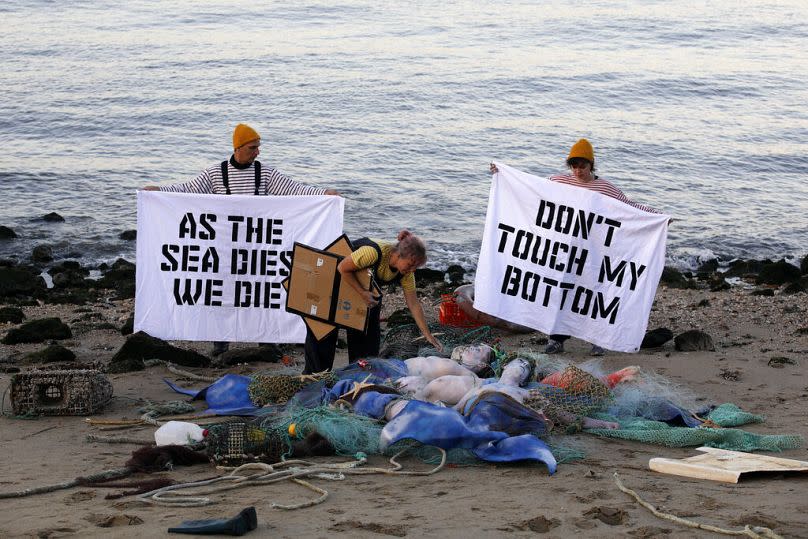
x=659, y=433
x=729, y=415
x=406, y=341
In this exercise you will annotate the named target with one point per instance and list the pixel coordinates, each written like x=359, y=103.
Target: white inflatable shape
x=410, y=384
x=448, y=389
x=432, y=367
x=515, y=373
x=474, y=357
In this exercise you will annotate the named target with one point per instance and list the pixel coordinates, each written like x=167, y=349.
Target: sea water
x=695, y=108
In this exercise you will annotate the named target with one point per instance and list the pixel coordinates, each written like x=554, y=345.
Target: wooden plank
x=723, y=465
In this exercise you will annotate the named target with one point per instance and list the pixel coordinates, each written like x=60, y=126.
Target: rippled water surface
x=698, y=109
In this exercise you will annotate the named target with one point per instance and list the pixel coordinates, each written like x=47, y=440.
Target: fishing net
x=279, y=388
x=659, y=433
x=347, y=432
x=239, y=441
x=405, y=341
x=60, y=390
x=729, y=415
x=578, y=394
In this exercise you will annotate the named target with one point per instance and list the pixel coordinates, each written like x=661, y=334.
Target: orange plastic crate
x=450, y=313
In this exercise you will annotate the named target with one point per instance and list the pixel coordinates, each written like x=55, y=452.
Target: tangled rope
x=292, y=470
x=757, y=532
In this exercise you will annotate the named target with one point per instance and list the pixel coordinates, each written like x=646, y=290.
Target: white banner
x=570, y=261
x=209, y=267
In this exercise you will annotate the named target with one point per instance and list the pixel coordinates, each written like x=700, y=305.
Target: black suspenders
x=362, y=242
x=257, y=177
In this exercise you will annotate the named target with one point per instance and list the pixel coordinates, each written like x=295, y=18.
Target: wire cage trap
x=60, y=391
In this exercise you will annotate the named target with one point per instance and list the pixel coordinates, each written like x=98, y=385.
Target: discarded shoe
x=554, y=347
x=596, y=350
x=240, y=524
x=219, y=348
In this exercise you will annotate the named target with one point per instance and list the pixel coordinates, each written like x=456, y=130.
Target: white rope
x=266, y=474
x=757, y=532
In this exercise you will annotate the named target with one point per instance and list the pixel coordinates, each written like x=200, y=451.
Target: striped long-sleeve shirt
x=603, y=187
x=242, y=182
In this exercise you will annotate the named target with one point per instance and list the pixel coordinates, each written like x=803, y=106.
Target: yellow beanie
x=582, y=149
x=243, y=134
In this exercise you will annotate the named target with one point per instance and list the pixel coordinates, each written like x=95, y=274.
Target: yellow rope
x=757, y=532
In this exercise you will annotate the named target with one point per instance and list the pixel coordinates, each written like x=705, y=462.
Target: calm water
x=698, y=109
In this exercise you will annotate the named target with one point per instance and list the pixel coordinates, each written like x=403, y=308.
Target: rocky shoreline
x=88, y=300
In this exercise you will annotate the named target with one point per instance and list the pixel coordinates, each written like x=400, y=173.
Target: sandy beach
x=580, y=499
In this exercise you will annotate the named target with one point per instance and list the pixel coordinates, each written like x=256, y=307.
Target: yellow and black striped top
x=365, y=257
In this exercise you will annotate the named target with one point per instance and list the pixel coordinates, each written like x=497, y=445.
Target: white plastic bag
x=179, y=433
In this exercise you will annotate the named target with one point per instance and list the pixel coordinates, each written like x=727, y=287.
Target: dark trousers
x=320, y=354
x=559, y=338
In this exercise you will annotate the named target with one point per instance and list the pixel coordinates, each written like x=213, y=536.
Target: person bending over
x=389, y=263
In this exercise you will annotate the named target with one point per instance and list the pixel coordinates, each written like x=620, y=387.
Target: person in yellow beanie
x=241, y=174
x=581, y=163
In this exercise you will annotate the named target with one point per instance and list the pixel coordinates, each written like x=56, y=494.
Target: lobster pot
x=60, y=392
x=238, y=442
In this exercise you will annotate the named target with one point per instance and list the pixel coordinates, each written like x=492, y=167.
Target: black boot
x=240, y=524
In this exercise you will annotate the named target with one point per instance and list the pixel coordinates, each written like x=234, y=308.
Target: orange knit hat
x=582, y=149
x=243, y=134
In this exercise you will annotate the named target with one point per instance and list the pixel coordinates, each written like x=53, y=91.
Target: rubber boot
x=240, y=524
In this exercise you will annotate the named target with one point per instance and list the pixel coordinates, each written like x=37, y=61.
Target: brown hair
x=410, y=246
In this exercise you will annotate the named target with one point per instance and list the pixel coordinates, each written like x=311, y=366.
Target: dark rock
x=103, y=266
x=50, y=354
x=128, y=235
x=763, y=292
x=703, y=303
x=426, y=275
x=779, y=272
x=656, y=338
x=7, y=263
x=68, y=265
x=6, y=233
x=42, y=253
x=11, y=314
x=708, y=267
x=265, y=353
x=70, y=296
x=673, y=278
x=121, y=278
x=779, y=362
x=793, y=288
x=141, y=346
x=456, y=274
x=70, y=279
x=741, y=268
x=718, y=283
x=401, y=317
x=106, y=325
x=129, y=326
x=693, y=341
x=804, y=265
x=53, y=217
x=20, y=281
x=39, y=330
x=122, y=264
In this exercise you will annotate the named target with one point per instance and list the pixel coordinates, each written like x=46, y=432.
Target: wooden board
x=727, y=466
